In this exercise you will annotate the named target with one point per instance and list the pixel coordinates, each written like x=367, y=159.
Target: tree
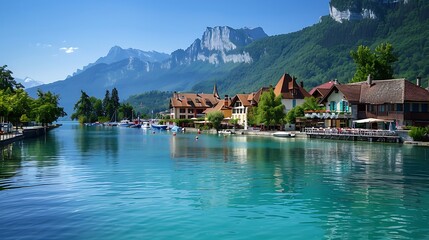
x=114, y=100
x=311, y=103
x=270, y=109
x=46, y=107
x=83, y=108
x=107, y=105
x=215, y=118
x=378, y=64
x=7, y=81
x=126, y=111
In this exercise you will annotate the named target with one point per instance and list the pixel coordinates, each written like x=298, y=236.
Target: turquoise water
x=114, y=183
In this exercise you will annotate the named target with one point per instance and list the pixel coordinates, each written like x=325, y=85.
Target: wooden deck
x=354, y=134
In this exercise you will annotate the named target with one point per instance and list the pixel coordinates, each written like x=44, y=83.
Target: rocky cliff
x=349, y=10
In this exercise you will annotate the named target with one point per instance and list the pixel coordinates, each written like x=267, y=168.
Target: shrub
x=419, y=133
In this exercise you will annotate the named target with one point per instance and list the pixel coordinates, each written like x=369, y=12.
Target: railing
x=350, y=132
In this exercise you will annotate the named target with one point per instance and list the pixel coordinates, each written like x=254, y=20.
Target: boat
x=226, y=131
x=176, y=129
x=125, y=123
x=159, y=126
x=145, y=125
x=283, y=134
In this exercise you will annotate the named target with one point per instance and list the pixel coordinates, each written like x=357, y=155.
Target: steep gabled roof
x=287, y=88
x=324, y=86
x=243, y=98
x=350, y=92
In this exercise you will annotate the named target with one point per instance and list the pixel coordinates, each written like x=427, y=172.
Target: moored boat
x=159, y=126
x=283, y=134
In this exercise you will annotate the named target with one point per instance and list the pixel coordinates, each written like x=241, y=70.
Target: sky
x=47, y=40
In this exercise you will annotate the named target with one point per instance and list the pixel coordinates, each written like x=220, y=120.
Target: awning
x=371, y=120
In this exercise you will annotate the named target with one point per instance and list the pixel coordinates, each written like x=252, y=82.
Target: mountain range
x=243, y=60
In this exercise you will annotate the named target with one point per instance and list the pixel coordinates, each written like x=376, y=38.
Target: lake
x=120, y=183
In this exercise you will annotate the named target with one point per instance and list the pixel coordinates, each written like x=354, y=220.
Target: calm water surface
x=114, y=183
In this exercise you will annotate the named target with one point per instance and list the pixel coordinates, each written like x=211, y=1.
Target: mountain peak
x=346, y=10
x=216, y=44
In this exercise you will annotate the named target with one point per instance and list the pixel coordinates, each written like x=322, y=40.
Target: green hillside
x=322, y=52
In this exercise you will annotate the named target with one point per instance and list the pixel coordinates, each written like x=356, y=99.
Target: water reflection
x=382, y=188
x=97, y=140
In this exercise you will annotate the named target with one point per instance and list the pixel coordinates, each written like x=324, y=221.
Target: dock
x=26, y=132
x=8, y=138
x=354, y=134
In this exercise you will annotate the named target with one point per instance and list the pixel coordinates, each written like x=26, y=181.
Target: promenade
x=354, y=134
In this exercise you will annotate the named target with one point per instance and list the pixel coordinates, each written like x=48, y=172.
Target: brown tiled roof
x=244, y=99
x=392, y=91
x=219, y=107
x=187, y=100
x=257, y=95
x=287, y=85
x=351, y=92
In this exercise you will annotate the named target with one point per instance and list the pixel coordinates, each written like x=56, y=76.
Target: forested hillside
x=322, y=52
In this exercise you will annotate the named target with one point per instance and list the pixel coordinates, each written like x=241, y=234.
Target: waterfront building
x=291, y=93
x=192, y=105
x=397, y=100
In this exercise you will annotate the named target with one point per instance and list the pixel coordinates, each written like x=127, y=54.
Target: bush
x=419, y=133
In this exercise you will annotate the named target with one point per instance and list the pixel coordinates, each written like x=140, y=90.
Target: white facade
x=240, y=112
x=337, y=103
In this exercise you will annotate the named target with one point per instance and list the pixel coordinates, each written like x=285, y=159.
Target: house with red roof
x=291, y=93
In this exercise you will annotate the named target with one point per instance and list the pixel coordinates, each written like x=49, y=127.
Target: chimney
x=419, y=82
x=369, y=80
x=226, y=101
x=335, y=81
x=302, y=84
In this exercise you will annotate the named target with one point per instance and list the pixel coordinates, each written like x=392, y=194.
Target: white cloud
x=69, y=49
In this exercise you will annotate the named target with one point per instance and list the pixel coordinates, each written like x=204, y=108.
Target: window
x=333, y=106
x=182, y=110
x=382, y=108
x=415, y=107
x=406, y=107
x=190, y=111
x=293, y=102
x=399, y=107
x=424, y=107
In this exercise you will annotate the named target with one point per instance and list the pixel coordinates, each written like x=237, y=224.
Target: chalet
x=396, y=100
x=192, y=105
x=291, y=93
x=241, y=104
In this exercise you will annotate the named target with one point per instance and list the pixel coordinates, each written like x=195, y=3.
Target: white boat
x=284, y=134
x=145, y=125
x=226, y=131
x=125, y=123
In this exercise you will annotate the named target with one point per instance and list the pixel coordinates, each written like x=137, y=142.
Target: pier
x=354, y=134
x=26, y=132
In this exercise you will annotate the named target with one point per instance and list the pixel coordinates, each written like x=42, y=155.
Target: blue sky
x=49, y=39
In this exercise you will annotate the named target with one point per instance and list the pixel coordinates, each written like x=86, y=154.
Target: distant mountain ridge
x=243, y=60
x=28, y=82
x=134, y=71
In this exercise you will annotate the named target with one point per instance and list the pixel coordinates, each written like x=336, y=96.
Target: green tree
x=215, y=118
x=295, y=112
x=378, y=64
x=126, y=111
x=46, y=107
x=83, y=108
x=270, y=109
x=114, y=100
x=107, y=105
x=311, y=103
x=7, y=81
